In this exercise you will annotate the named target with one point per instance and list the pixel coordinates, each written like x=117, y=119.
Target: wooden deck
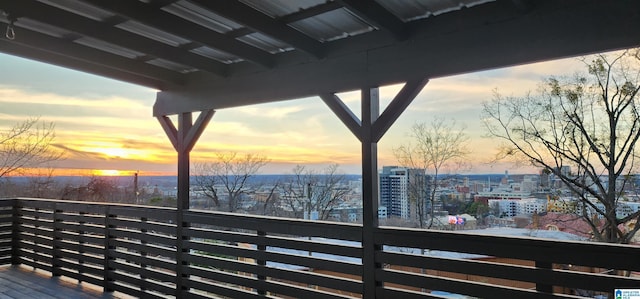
x=24, y=282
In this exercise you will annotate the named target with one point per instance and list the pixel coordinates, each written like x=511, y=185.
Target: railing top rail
x=26, y=199
x=346, y=231
x=596, y=254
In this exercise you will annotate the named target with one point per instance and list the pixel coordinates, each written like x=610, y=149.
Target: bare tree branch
x=310, y=191
x=436, y=146
x=230, y=173
x=589, y=122
x=27, y=144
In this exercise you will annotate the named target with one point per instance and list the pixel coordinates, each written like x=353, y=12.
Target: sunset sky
x=104, y=124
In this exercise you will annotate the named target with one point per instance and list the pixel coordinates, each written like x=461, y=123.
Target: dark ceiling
x=211, y=54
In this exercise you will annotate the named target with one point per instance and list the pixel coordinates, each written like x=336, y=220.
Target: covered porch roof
x=217, y=54
x=204, y=55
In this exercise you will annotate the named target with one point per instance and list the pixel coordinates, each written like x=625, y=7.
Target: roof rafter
x=32, y=39
x=259, y=22
x=310, y=12
x=99, y=30
x=294, y=17
x=153, y=16
x=16, y=49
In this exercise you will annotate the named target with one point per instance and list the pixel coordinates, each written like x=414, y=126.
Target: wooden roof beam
x=259, y=22
x=16, y=49
x=32, y=39
x=153, y=16
x=99, y=30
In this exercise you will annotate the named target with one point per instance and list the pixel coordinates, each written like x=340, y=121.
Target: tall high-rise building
x=403, y=191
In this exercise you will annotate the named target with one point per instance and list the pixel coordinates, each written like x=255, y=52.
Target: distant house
x=568, y=223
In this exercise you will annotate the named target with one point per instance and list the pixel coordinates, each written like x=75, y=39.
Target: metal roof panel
x=108, y=47
x=153, y=33
x=280, y=8
x=265, y=43
x=41, y=27
x=171, y=65
x=332, y=25
x=410, y=10
x=80, y=8
x=201, y=16
x=221, y=56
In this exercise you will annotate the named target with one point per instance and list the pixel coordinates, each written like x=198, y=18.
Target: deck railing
x=133, y=250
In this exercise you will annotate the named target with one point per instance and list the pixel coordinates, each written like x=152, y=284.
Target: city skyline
x=106, y=127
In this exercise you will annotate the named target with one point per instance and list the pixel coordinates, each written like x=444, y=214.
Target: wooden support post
x=183, y=140
x=370, y=113
x=369, y=131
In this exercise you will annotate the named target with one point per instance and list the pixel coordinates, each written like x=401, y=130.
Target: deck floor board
x=18, y=282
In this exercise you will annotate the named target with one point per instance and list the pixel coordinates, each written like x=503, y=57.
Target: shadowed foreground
x=24, y=282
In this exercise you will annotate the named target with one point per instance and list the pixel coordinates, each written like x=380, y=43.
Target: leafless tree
x=435, y=146
x=27, y=144
x=102, y=189
x=589, y=122
x=269, y=197
x=42, y=184
x=229, y=174
x=310, y=191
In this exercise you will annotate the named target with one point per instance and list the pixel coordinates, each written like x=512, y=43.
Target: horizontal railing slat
x=573, y=279
x=80, y=276
x=128, y=289
x=224, y=277
x=39, y=223
x=218, y=289
x=287, y=289
x=154, y=273
x=553, y=251
x=137, y=212
x=147, y=248
x=141, y=287
x=457, y=286
x=138, y=260
x=274, y=225
x=73, y=227
x=143, y=237
x=311, y=278
x=80, y=267
x=284, y=258
x=140, y=225
x=37, y=242
x=146, y=284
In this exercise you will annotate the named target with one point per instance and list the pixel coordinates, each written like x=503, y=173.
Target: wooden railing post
x=544, y=287
x=108, y=250
x=81, y=239
x=15, y=240
x=259, y=262
x=55, y=257
x=182, y=253
x=143, y=253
